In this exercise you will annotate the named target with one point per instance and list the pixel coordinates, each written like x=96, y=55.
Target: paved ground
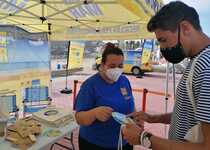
x=152, y=82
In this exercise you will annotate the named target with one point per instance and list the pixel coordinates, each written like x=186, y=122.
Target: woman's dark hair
x=170, y=16
x=109, y=49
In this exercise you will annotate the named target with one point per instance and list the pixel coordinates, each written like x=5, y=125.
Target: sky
x=203, y=9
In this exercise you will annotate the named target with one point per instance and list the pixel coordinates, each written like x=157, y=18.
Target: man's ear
x=185, y=28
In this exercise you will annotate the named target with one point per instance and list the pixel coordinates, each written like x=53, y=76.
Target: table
x=42, y=140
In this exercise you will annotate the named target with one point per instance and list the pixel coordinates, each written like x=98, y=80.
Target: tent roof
x=81, y=19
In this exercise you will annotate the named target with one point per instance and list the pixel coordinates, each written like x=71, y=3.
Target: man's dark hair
x=110, y=48
x=170, y=15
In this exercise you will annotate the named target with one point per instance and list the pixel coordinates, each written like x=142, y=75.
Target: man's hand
x=138, y=117
x=103, y=113
x=142, y=116
x=131, y=133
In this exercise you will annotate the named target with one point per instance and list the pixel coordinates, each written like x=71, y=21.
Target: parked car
x=179, y=68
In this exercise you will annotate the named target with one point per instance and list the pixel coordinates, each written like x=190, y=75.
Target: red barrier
x=74, y=93
x=144, y=99
x=76, y=82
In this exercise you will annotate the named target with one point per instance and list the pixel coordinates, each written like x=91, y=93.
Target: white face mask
x=114, y=73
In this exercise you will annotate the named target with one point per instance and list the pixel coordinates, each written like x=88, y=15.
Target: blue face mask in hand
x=121, y=118
x=174, y=54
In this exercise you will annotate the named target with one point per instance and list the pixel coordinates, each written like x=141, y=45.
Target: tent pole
x=174, y=82
x=166, y=93
x=67, y=90
x=50, y=66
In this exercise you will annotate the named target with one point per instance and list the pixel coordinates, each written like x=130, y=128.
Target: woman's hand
x=103, y=113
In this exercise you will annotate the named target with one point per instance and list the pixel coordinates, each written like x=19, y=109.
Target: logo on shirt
x=125, y=93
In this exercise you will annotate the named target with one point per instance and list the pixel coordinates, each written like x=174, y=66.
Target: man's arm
x=131, y=134
x=142, y=116
x=163, y=144
x=162, y=118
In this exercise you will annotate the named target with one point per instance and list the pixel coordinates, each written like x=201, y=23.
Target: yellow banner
x=147, y=50
x=3, y=47
x=76, y=55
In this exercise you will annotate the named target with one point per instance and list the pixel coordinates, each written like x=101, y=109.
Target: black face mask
x=174, y=54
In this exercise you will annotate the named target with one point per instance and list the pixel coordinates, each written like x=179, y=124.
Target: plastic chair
x=9, y=104
x=36, y=98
